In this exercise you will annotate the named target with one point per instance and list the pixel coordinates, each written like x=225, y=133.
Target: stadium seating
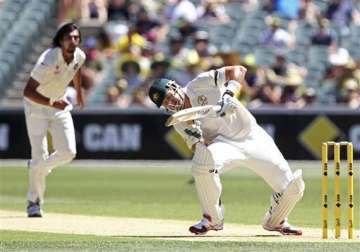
x=20, y=30
x=21, y=23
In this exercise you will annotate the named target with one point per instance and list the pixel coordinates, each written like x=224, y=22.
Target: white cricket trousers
x=256, y=151
x=39, y=120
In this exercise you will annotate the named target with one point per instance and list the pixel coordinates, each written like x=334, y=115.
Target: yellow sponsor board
x=320, y=130
x=178, y=144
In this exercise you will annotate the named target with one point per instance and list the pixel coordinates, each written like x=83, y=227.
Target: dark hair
x=62, y=31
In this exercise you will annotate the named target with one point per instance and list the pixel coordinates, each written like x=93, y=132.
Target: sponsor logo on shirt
x=57, y=70
x=202, y=100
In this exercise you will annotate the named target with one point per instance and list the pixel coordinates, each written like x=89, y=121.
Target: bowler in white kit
x=47, y=109
x=231, y=139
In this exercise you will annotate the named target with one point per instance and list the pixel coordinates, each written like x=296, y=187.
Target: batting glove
x=228, y=104
x=193, y=134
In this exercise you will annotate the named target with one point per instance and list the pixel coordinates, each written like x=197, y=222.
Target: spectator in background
x=176, y=50
x=116, y=95
x=147, y=26
x=130, y=71
x=323, y=35
x=213, y=12
x=284, y=73
x=186, y=28
x=104, y=43
x=280, y=66
x=112, y=96
x=308, y=98
x=291, y=93
x=332, y=84
x=93, y=11
x=338, y=10
x=131, y=41
x=89, y=80
x=124, y=98
x=117, y=10
x=268, y=93
x=309, y=12
x=253, y=79
x=140, y=99
x=338, y=56
x=92, y=71
x=145, y=59
x=93, y=55
x=251, y=76
x=246, y=5
x=215, y=61
x=352, y=95
x=134, y=8
x=203, y=49
x=277, y=37
x=189, y=71
x=159, y=69
x=68, y=10
x=268, y=5
x=287, y=9
x=202, y=43
x=182, y=14
x=341, y=13
x=176, y=10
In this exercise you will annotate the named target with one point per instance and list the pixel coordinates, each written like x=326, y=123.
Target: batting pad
x=282, y=206
x=209, y=189
x=207, y=183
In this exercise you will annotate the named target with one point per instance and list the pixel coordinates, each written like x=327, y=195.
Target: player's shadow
x=15, y=217
x=190, y=236
x=270, y=235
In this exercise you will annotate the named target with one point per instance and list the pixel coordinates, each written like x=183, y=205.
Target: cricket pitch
x=147, y=228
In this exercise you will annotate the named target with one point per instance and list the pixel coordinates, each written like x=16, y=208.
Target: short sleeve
x=81, y=56
x=203, y=80
x=220, y=77
x=42, y=66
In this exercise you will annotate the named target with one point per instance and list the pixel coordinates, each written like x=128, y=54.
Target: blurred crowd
x=142, y=40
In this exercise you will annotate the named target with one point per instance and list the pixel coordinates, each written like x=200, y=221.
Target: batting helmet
x=158, y=90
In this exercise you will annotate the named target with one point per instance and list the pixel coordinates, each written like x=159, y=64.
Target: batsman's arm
x=232, y=78
x=236, y=73
x=235, y=78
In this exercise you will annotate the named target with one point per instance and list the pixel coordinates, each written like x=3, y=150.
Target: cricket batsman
x=232, y=139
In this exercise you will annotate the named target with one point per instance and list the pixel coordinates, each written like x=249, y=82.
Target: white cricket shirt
x=54, y=74
x=207, y=89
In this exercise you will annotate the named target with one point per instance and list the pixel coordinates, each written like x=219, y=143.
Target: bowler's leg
x=37, y=132
x=63, y=138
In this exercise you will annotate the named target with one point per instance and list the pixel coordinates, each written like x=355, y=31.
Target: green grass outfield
x=159, y=191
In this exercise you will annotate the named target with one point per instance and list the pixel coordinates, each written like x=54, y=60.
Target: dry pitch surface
x=147, y=228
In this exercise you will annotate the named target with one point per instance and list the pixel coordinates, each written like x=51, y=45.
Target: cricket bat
x=192, y=114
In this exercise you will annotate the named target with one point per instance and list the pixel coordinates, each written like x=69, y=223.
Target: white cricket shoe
x=284, y=228
x=205, y=225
